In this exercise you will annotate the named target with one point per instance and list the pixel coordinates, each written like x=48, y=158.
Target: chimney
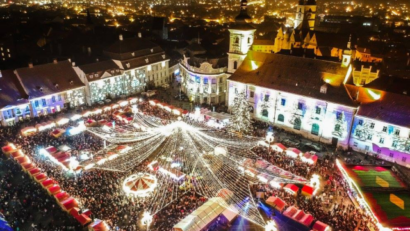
x=30, y=65
x=69, y=60
x=89, y=50
x=55, y=61
x=139, y=35
x=121, y=38
x=73, y=63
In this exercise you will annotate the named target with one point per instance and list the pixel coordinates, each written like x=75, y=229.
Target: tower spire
x=243, y=14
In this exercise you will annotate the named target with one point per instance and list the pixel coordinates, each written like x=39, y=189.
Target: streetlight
x=271, y=226
x=269, y=138
x=146, y=219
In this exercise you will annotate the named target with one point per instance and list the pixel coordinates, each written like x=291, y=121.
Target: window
x=266, y=98
x=370, y=137
x=298, y=124
x=397, y=132
x=360, y=122
x=283, y=102
x=371, y=125
x=213, y=81
x=391, y=154
x=403, y=159
x=36, y=103
x=339, y=115
x=251, y=94
x=355, y=144
x=265, y=113
x=358, y=133
x=384, y=129
x=18, y=112
x=367, y=148
x=220, y=80
x=362, y=82
x=318, y=109
x=205, y=80
x=59, y=97
x=27, y=108
x=315, y=129
x=44, y=102
x=235, y=65
x=300, y=106
x=407, y=148
x=394, y=144
x=236, y=40
x=281, y=118
x=53, y=99
x=236, y=90
x=381, y=140
x=249, y=40
x=337, y=127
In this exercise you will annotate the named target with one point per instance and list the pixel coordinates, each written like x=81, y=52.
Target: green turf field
x=369, y=179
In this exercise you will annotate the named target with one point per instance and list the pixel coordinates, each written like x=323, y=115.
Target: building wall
x=239, y=44
x=263, y=48
x=314, y=119
x=10, y=115
x=204, y=84
x=364, y=75
x=158, y=73
x=388, y=141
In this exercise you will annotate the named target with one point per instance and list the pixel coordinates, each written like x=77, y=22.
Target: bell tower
x=306, y=10
x=241, y=36
x=347, y=54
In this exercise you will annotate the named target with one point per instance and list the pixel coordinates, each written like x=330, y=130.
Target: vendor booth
x=320, y=226
x=278, y=147
x=291, y=188
x=276, y=203
x=293, y=152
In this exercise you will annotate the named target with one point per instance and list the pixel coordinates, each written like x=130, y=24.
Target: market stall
x=309, y=158
x=56, y=133
x=28, y=131
x=278, y=147
x=307, y=191
x=293, y=152
x=291, y=188
x=320, y=226
x=8, y=149
x=276, y=203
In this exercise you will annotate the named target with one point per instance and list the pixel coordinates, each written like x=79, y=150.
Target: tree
x=241, y=117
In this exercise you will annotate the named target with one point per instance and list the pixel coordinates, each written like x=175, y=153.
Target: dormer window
x=71, y=82
x=91, y=76
x=163, y=56
x=146, y=60
x=133, y=54
x=128, y=65
x=323, y=89
x=96, y=75
x=112, y=72
x=152, y=50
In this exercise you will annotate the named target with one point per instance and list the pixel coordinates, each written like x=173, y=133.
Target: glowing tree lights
x=241, y=116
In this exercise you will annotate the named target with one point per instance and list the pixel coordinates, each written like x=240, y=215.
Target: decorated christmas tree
x=241, y=117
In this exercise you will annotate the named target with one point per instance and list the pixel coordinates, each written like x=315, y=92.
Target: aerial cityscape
x=204, y=115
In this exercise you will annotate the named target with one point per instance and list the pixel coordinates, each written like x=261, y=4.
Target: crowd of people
x=331, y=205
x=101, y=191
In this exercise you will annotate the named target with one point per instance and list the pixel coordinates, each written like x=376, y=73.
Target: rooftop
x=11, y=92
x=51, y=78
x=295, y=75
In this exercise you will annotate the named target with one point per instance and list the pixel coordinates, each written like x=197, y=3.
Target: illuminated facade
x=203, y=84
x=382, y=128
x=305, y=11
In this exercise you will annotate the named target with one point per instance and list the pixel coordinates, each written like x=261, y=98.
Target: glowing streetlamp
x=146, y=219
x=271, y=226
x=269, y=138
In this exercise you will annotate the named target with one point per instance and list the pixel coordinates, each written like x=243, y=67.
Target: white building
x=51, y=87
x=305, y=96
x=14, y=105
x=382, y=128
x=142, y=62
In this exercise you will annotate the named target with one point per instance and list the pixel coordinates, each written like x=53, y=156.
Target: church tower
x=305, y=11
x=240, y=39
x=347, y=54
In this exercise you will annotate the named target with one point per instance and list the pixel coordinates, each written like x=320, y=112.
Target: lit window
x=283, y=102
x=384, y=129
x=360, y=122
x=372, y=125
x=397, y=132
x=381, y=140
x=252, y=94
x=318, y=110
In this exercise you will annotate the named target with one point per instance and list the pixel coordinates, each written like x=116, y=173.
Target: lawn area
x=369, y=176
x=392, y=211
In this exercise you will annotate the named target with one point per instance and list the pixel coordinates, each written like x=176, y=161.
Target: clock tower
x=241, y=36
x=305, y=11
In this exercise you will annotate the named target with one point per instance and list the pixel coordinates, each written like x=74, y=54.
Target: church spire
x=243, y=14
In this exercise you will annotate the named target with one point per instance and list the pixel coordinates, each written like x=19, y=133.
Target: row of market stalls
x=171, y=109
x=206, y=214
x=296, y=214
x=64, y=120
x=61, y=156
x=307, y=157
x=66, y=202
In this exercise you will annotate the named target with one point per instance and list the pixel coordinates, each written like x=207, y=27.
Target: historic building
x=305, y=96
x=51, y=87
x=14, y=105
x=206, y=81
x=382, y=127
x=142, y=62
x=266, y=46
x=305, y=12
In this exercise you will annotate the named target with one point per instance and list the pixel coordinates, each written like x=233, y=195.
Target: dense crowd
x=101, y=191
x=330, y=205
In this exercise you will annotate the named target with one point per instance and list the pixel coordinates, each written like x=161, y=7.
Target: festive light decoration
x=271, y=226
x=140, y=185
x=241, y=118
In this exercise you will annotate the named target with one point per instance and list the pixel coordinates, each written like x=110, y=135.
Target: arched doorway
x=315, y=129
x=281, y=118
x=298, y=124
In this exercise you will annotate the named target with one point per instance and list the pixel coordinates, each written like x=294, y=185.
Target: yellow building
x=266, y=46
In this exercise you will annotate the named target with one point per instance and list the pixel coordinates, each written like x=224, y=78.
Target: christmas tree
x=241, y=117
